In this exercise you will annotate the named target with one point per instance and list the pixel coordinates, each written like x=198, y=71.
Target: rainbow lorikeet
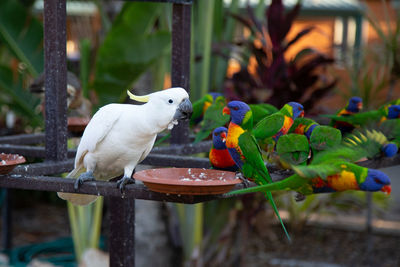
x=244, y=149
x=333, y=170
x=303, y=126
x=213, y=118
x=200, y=106
x=341, y=177
x=269, y=129
x=363, y=119
x=219, y=156
x=353, y=106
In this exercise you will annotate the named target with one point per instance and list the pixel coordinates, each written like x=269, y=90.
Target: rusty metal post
x=122, y=232
x=55, y=79
x=180, y=76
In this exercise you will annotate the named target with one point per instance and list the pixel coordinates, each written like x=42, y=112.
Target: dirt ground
x=317, y=246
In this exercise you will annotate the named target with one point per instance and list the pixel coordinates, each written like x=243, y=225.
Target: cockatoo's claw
x=245, y=182
x=123, y=182
x=299, y=197
x=86, y=176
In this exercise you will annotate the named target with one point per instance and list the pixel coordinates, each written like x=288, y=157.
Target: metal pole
x=55, y=79
x=180, y=76
x=6, y=221
x=122, y=232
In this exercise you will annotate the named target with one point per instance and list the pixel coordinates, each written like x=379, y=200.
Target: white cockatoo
x=119, y=136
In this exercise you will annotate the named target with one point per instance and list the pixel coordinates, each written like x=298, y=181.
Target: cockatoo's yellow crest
x=143, y=98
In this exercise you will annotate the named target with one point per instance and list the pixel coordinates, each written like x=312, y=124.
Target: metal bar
x=6, y=215
x=55, y=79
x=101, y=188
x=23, y=139
x=122, y=232
x=39, y=152
x=45, y=168
x=176, y=161
x=180, y=74
x=183, y=149
x=31, y=151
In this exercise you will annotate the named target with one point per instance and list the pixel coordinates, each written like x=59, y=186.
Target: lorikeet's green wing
x=391, y=128
x=294, y=183
x=212, y=119
x=254, y=168
x=268, y=126
x=325, y=137
x=353, y=148
x=360, y=119
x=293, y=149
x=261, y=111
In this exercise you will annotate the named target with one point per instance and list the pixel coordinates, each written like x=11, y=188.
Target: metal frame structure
x=58, y=158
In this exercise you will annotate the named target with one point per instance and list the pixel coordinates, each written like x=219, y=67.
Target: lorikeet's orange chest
x=234, y=131
x=287, y=123
x=221, y=158
x=300, y=129
x=346, y=180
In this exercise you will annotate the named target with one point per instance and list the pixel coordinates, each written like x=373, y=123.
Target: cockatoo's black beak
x=184, y=110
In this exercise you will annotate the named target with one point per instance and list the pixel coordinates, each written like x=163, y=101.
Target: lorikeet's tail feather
x=77, y=199
x=268, y=196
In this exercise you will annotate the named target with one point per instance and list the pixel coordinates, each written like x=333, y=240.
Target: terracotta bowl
x=188, y=181
x=9, y=161
x=77, y=124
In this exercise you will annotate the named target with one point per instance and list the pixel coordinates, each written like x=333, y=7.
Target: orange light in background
x=233, y=67
x=72, y=50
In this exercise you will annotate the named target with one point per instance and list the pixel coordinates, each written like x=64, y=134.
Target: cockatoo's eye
x=170, y=101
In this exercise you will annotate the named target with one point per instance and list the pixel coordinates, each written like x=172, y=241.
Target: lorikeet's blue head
x=298, y=109
x=355, y=104
x=394, y=112
x=389, y=150
x=219, y=137
x=215, y=95
x=376, y=181
x=238, y=111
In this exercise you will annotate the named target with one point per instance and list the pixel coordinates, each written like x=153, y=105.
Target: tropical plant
x=130, y=47
x=276, y=79
x=21, y=58
x=389, y=52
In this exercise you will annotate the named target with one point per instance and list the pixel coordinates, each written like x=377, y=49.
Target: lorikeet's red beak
x=226, y=111
x=386, y=189
x=360, y=105
x=223, y=137
x=301, y=114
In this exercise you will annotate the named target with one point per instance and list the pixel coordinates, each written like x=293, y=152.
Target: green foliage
x=21, y=37
x=17, y=98
x=22, y=34
x=130, y=47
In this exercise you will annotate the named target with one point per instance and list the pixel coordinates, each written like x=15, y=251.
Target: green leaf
x=19, y=99
x=23, y=35
x=129, y=49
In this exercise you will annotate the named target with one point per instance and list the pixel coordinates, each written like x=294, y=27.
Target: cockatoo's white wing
x=99, y=126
